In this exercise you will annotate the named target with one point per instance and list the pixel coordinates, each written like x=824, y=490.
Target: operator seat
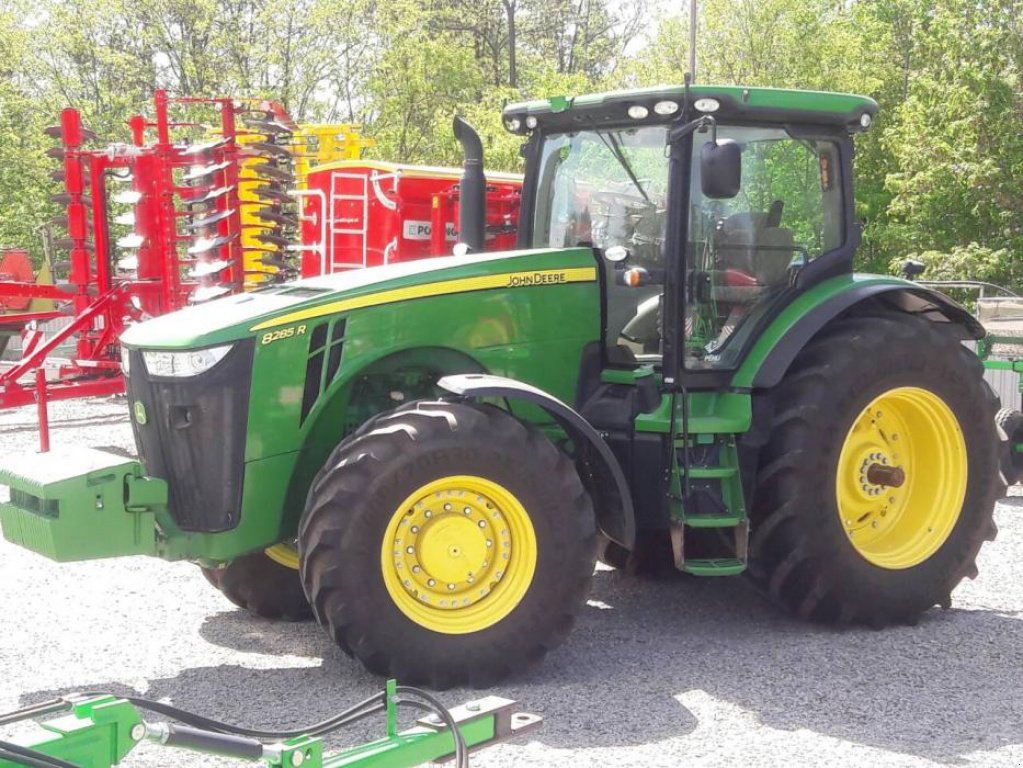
x=755, y=243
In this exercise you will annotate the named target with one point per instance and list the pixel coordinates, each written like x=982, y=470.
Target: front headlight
x=190, y=362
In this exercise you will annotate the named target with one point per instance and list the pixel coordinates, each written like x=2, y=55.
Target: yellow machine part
x=313, y=145
x=43, y=277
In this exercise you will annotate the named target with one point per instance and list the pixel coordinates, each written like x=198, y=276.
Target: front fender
x=778, y=345
x=597, y=466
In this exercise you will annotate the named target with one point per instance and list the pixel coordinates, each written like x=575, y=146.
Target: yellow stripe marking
x=463, y=285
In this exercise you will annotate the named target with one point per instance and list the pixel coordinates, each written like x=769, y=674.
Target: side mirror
x=720, y=169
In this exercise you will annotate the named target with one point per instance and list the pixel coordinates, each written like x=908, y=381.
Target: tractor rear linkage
x=99, y=730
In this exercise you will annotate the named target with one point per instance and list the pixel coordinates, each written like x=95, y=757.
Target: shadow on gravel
x=941, y=690
x=945, y=688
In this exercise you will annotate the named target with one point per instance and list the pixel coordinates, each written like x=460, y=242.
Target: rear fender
x=804, y=318
x=598, y=468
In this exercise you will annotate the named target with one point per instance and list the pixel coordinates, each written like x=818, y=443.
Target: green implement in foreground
x=99, y=731
x=678, y=369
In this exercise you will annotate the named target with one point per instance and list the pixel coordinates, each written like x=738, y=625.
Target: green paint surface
x=804, y=303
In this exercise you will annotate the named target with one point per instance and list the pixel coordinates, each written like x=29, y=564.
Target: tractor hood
x=243, y=315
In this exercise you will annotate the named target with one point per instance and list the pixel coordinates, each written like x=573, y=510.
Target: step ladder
x=716, y=502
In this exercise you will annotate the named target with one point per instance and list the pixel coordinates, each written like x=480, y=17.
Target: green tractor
x=679, y=366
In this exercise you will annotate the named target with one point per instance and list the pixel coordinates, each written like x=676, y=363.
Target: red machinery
x=359, y=213
x=154, y=227
x=178, y=209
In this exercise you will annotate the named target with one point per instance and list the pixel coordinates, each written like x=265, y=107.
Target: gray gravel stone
x=686, y=671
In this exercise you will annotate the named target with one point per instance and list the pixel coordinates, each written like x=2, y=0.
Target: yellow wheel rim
x=285, y=553
x=901, y=477
x=458, y=554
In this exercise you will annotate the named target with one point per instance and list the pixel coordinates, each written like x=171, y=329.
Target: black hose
x=35, y=710
x=432, y=705
x=32, y=757
x=361, y=710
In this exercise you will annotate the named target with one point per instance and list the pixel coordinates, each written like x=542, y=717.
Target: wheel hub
x=901, y=477
x=459, y=554
x=449, y=546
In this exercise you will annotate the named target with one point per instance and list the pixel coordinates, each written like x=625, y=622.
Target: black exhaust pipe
x=472, y=196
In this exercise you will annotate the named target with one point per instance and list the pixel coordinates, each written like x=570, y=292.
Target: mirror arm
x=700, y=123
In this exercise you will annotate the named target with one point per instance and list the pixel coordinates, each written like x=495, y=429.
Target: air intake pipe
x=472, y=188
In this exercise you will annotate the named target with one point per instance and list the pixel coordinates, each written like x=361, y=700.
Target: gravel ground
x=655, y=674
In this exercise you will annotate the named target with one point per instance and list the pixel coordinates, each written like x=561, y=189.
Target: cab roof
x=733, y=103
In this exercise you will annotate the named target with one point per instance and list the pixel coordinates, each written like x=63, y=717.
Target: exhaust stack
x=472, y=188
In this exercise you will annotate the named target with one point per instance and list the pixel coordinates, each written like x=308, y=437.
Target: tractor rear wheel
x=266, y=584
x=876, y=488
x=1011, y=423
x=447, y=544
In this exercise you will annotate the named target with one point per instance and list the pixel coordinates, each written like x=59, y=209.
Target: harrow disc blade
x=213, y=194
x=207, y=292
x=207, y=268
x=271, y=127
x=64, y=198
x=272, y=171
x=201, y=149
x=266, y=237
x=57, y=175
x=202, y=171
x=208, y=221
x=269, y=193
x=280, y=264
x=207, y=244
x=67, y=243
x=126, y=218
x=134, y=240
x=57, y=153
x=128, y=264
x=127, y=196
x=54, y=131
x=270, y=215
x=266, y=149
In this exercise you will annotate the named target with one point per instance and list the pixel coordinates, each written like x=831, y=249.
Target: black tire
x=1011, y=423
x=262, y=586
x=612, y=554
x=361, y=488
x=800, y=553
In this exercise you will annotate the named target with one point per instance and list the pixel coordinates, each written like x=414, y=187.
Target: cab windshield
x=608, y=189
x=602, y=189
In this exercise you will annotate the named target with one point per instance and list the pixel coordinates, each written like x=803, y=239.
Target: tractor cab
x=719, y=193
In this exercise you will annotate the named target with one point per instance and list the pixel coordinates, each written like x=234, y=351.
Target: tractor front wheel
x=877, y=486
x=266, y=583
x=447, y=544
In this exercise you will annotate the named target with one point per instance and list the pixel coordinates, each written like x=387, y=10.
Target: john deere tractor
x=678, y=366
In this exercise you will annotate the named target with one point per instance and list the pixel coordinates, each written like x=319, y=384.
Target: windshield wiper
x=616, y=149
